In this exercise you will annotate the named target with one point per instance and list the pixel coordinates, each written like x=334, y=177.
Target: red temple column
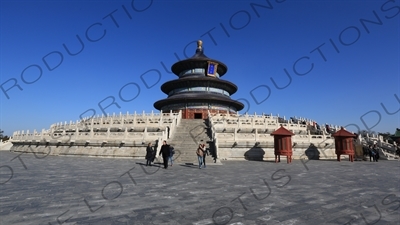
x=282, y=144
x=344, y=144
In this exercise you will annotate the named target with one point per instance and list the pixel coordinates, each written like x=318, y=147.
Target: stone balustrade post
x=126, y=133
x=265, y=123
x=23, y=136
x=179, y=117
x=159, y=143
x=171, y=131
x=216, y=148
x=76, y=132
x=172, y=128
x=145, y=134
x=235, y=134
x=91, y=123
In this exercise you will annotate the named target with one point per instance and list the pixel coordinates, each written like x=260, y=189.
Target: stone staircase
x=186, y=138
x=385, y=154
x=386, y=151
x=5, y=145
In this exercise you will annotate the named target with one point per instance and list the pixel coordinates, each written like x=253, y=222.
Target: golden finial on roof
x=199, y=44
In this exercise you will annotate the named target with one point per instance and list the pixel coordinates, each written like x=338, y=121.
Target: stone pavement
x=40, y=189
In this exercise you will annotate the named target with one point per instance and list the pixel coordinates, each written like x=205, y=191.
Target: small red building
x=283, y=144
x=344, y=144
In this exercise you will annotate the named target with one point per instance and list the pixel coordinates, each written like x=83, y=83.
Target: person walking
x=371, y=153
x=200, y=154
x=205, y=153
x=376, y=154
x=165, y=153
x=149, y=154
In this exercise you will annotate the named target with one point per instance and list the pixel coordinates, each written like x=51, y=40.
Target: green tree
x=2, y=137
x=386, y=136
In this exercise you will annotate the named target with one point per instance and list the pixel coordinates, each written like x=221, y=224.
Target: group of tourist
x=167, y=152
x=373, y=153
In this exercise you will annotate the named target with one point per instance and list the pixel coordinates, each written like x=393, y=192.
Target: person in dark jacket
x=149, y=154
x=371, y=153
x=205, y=153
x=165, y=153
x=376, y=154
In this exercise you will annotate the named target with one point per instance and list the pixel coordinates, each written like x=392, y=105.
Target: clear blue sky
x=342, y=56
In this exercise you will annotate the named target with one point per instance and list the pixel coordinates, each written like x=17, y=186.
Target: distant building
x=396, y=136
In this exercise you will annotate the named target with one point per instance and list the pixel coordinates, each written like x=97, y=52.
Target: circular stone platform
x=80, y=190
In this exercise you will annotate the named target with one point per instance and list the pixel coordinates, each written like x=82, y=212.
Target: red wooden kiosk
x=344, y=144
x=283, y=144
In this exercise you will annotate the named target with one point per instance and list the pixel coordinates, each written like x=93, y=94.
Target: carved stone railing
x=124, y=128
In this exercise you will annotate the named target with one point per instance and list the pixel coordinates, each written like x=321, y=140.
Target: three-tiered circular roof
x=198, y=79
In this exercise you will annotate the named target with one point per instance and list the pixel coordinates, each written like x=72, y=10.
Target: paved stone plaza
x=39, y=189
